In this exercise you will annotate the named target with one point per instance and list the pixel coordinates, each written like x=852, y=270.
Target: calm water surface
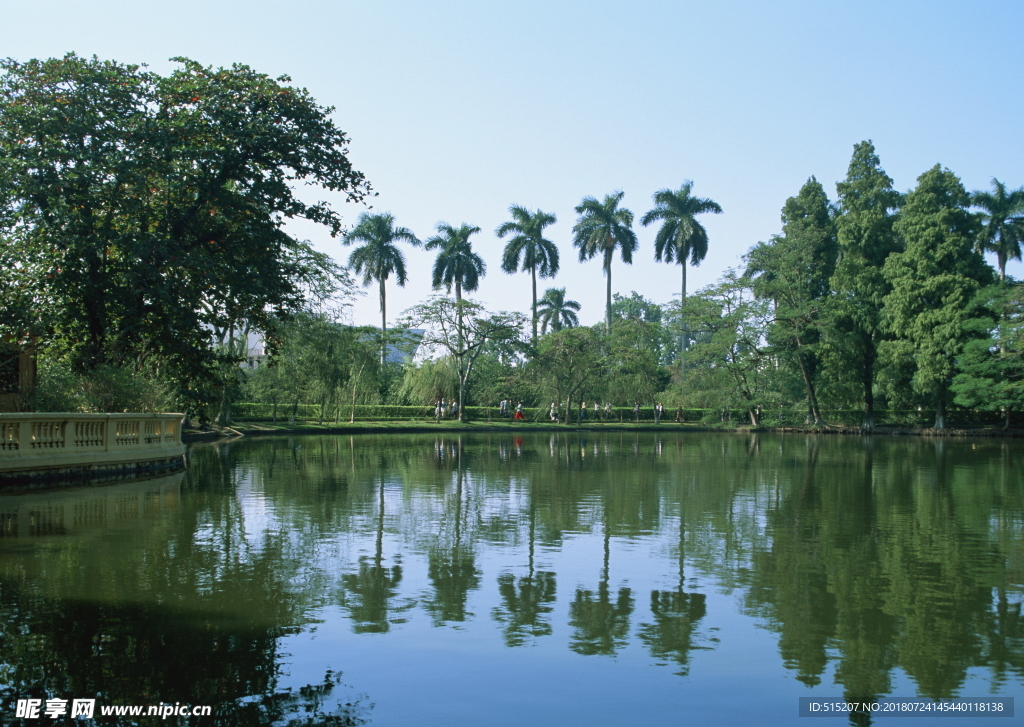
x=573, y=579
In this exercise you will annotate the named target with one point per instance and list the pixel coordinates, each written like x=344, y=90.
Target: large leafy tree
x=681, y=237
x=793, y=271
x=868, y=209
x=601, y=228
x=379, y=258
x=151, y=209
x=932, y=284
x=556, y=311
x=570, y=363
x=1003, y=214
x=463, y=330
x=731, y=366
x=529, y=248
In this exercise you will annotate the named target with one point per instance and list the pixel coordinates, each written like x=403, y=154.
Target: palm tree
x=456, y=264
x=602, y=227
x=681, y=236
x=556, y=312
x=379, y=258
x=538, y=254
x=1003, y=213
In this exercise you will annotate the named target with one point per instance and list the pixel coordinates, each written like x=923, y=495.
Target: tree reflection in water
x=869, y=559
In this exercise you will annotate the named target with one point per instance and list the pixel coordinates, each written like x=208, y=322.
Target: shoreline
x=258, y=429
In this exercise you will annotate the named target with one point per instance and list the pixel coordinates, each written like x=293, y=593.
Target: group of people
x=505, y=409
x=443, y=408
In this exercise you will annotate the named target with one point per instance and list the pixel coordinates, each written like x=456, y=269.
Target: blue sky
x=458, y=109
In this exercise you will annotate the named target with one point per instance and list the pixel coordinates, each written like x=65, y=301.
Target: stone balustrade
x=77, y=443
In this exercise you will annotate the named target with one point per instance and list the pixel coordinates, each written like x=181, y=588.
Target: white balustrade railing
x=66, y=439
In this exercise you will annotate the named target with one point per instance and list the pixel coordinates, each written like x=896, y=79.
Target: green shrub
x=106, y=389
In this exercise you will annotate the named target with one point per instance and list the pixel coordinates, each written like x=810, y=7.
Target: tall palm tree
x=1003, y=213
x=681, y=236
x=456, y=264
x=379, y=258
x=538, y=255
x=556, y=312
x=602, y=227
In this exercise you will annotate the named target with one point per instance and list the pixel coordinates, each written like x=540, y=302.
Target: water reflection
x=869, y=559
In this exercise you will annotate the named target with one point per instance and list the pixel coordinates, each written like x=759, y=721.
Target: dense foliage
x=144, y=249
x=140, y=211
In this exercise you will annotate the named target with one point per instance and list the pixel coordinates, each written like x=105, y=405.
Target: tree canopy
x=145, y=210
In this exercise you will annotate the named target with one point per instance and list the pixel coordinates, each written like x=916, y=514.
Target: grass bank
x=249, y=429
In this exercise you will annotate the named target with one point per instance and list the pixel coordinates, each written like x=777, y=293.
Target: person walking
x=519, y=411
x=553, y=412
x=597, y=411
x=657, y=413
x=679, y=414
x=607, y=411
x=636, y=412
x=502, y=408
x=583, y=412
x=437, y=410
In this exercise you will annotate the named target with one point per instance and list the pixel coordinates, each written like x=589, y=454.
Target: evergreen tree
x=932, y=282
x=793, y=270
x=867, y=205
x=992, y=366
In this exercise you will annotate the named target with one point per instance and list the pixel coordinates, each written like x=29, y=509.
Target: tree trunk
x=812, y=397
x=608, y=296
x=533, y=275
x=683, y=343
x=458, y=312
x=940, y=411
x=462, y=393
x=868, y=423
x=383, y=324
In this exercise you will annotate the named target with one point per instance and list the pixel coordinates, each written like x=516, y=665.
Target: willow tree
x=529, y=248
x=379, y=258
x=602, y=228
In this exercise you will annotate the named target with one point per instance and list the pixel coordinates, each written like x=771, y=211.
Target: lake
x=565, y=579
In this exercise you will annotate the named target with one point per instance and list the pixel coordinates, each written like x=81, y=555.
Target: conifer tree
x=868, y=207
x=933, y=281
x=793, y=271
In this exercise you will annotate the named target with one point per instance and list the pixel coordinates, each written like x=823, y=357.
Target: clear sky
x=457, y=109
